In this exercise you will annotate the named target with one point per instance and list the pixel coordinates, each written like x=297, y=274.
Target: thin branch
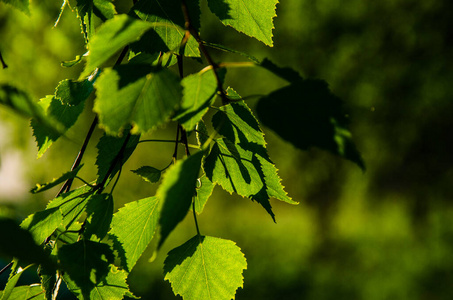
x=215, y=66
x=195, y=217
x=115, y=161
x=157, y=140
x=4, y=65
x=6, y=268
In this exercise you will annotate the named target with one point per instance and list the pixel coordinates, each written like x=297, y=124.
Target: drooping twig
x=4, y=65
x=215, y=66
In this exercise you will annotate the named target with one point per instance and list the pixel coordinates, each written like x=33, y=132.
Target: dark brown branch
x=4, y=65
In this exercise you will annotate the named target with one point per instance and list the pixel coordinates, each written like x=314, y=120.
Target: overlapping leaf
x=205, y=268
x=148, y=173
x=22, y=292
x=99, y=216
x=56, y=181
x=307, y=114
x=136, y=94
x=65, y=114
x=204, y=191
x=198, y=95
x=168, y=37
x=22, y=5
x=71, y=204
x=43, y=223
x=111, y=37
x=108, y=149
x=87, y=263
x=113, y=286
x=239, y=162
x=252, y=17
x=176, y=192
x=24, y=246
x=134, y=226
x=72, y=92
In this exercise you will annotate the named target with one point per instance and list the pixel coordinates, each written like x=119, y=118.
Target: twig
x=215, y=67
x=4, y=65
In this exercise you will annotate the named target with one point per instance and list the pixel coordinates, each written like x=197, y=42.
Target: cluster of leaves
x=78, y=238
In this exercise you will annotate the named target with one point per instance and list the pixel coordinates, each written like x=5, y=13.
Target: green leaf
x=134, y=226
x=137, y=94
x=252, y=17
x=108, y=149
x=236, y=122
x=32, y=291
x=11, y=284
x=149, y=174
x=104, y=9
x=22, y=5
x=198, y=94
x=169, y=36
x=43, y=223
x=111, y=37
x=113, y=286
x=286, y=73
x=66, y=115
x=307, y=114
x=56, y=181
x=72, y=92
x=86, y=262
x=71, y=204
x=21, y=103
x=48, y=277
x=204, y=191
x=20, y=245
x=232, y=167
x=71, y=63
x=176, y=192
x=229, y=50
x=205, y=268
x=99, y=216
x=202, y=133
x=84, y=10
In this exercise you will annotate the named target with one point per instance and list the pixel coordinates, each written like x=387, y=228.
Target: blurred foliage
x=383, y=234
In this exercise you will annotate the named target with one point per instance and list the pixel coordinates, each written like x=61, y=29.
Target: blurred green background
x=383, y=234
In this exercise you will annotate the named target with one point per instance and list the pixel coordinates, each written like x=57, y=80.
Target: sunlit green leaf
x=71, y=204
x=176, y=192
x=72, y=92
x=22, y=292
x=198, y=94
x=236, y=122
x=205, y=268
x=56, y=181
x=104, y=9
x=231, y=167
x=252, y=17
x=148, y=173
x=136, y=94
x=168, y=37
x=43, y=223
x=111, y=37
x=66, y=115
x=204, y=191
x=99, y=216
x=307, y=114
x=134, y=226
